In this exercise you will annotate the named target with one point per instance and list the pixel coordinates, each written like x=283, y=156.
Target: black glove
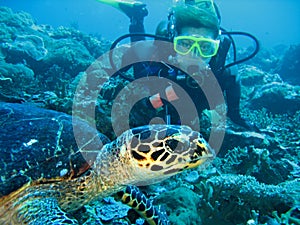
x=244, y=123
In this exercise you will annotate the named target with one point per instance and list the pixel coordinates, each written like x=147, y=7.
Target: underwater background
x=273, y=22
x=47, y=45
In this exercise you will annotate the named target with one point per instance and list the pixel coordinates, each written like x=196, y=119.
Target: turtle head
x=160, y=151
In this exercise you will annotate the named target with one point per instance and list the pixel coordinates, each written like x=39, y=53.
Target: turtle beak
x=202, y=153
x=203, y=149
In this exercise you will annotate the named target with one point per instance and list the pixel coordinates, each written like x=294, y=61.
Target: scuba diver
x=199, y=46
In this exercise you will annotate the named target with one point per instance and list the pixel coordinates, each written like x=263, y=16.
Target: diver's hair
x=191, y=16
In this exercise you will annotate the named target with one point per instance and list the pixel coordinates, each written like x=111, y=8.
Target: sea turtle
x=45, y=176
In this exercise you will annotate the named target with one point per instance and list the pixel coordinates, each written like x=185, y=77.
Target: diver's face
x=197, y=33
x=188, y=53
x=194, y=56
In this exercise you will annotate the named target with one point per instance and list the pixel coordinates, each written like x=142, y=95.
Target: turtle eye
x=176, y=146
x=172, y=144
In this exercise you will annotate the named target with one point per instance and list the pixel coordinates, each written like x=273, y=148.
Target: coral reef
x=182, y=204
x=17, y=80
x=275, y=95
x=103, y=211
x=254, y=178
x=289, y=68
x=231, y=198
x=38, y=58
x=26, y=47
x=267, y=59
x=265, y=90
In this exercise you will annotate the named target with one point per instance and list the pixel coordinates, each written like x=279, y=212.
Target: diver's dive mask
x=206, y=47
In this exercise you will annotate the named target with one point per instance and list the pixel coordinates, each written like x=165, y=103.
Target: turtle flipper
x=130, y=7
x=42, y=211
x=133, y=197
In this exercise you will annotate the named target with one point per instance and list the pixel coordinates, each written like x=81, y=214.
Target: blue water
x=273, y=22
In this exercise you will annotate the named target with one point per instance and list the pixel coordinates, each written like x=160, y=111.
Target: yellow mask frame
x=206, y=47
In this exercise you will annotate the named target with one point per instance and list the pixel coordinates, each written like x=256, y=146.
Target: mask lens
x=183, y=45
x=208, y=48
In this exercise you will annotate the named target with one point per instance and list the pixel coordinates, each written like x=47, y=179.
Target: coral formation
x=274, y=95
x=40, y=58
x=17, y=80
x=289, y=68
x=231, y=198
x=182, y=204
x=26, y=46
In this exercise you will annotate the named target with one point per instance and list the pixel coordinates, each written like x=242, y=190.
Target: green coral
x=21, y=79
x=30, y=46
x=274, y=96
x=19, y=20
x=56, y=80
x=291, y=217
x=95, y=47
x=6, y=33
x=284, y=127
x=231, y=198
x=252, y=78
x=68, y=54
x=182, y=204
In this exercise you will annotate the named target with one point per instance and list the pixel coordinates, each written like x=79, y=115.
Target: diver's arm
x=233, y=96
x=137, y=14
x=232, y=87
x=135, y=10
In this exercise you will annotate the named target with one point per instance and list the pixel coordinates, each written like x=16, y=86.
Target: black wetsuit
x=228, y=82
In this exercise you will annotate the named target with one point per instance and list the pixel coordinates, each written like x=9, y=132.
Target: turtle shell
x=37, y=143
